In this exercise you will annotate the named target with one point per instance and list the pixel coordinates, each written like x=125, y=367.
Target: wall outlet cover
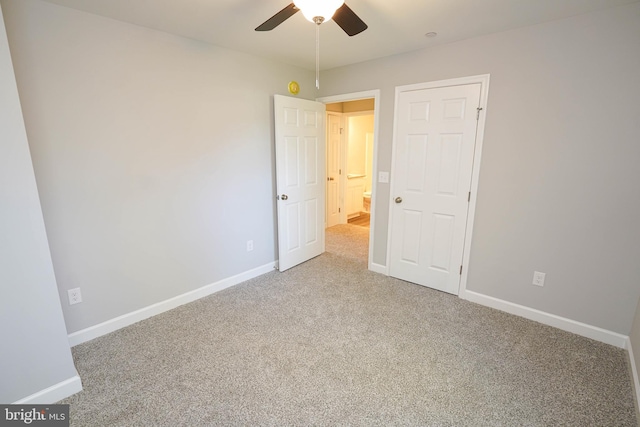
x=75, y=296
x=538, y=278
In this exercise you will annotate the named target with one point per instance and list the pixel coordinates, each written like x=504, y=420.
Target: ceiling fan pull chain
x=317, y=55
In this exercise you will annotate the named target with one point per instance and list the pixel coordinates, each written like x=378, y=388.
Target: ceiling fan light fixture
x=312, y=9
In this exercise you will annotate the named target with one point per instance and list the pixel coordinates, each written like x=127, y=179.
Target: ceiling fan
x=319, y=11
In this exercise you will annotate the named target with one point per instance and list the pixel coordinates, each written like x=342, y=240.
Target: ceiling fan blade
x=278, y=18
x=349, y=21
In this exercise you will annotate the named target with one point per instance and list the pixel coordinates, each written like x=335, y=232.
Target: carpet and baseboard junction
x=331, y=343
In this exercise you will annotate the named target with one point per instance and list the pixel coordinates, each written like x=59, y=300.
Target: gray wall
x=558, y=189
x=153, y=154
x=154, y=159
x=35, y=351
x=634, y=337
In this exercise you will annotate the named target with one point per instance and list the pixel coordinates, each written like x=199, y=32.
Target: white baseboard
x=54, y=393
x=119, y=322
x=634, y=372
x=378, y=268
x=593, y=332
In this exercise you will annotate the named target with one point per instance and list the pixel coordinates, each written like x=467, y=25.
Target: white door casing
x=375, y=94
x=334, y=154
x=433, y=159
x=300, y=178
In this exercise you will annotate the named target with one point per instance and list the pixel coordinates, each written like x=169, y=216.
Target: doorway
x=352, y=131
x=350, y=147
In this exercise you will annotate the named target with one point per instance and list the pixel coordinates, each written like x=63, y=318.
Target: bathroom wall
x=359, y=159
x=359, y=105
x=360, y=156
x=352, y=106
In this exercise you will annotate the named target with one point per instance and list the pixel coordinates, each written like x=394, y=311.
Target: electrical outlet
x=538, y=278
x=75, y=296
x=249, y=245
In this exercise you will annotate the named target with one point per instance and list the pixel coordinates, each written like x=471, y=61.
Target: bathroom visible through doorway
x=350, y=148
x=352, y=163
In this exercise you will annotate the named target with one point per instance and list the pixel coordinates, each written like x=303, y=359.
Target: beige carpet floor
x=331, y=343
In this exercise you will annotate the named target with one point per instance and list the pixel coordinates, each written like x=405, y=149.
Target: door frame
x=483, y=79
x=355, y=96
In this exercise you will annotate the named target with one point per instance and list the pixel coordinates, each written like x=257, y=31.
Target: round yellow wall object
x=294, y=87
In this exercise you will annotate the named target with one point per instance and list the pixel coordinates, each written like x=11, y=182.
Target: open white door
x=334, y=154
x=300, y=179
x=433, y=162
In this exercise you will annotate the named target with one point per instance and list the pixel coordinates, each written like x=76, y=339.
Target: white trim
x=359, y=113
x=119, y=322
x=578, y=328
x=375, y=94
x=379, y=268
x=53, y=394
x=483, y=80
x=634, y=371
x=354, y=96
x=475, y=178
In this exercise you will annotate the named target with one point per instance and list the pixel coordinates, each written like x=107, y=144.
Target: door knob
x=284, y=197
x=398, y=199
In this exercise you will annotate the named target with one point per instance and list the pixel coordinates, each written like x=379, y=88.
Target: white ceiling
x=395, y=26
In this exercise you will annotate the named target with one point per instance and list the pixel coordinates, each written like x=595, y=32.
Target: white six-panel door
x=435, y=135
x=334, y=147
x=300, y=179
